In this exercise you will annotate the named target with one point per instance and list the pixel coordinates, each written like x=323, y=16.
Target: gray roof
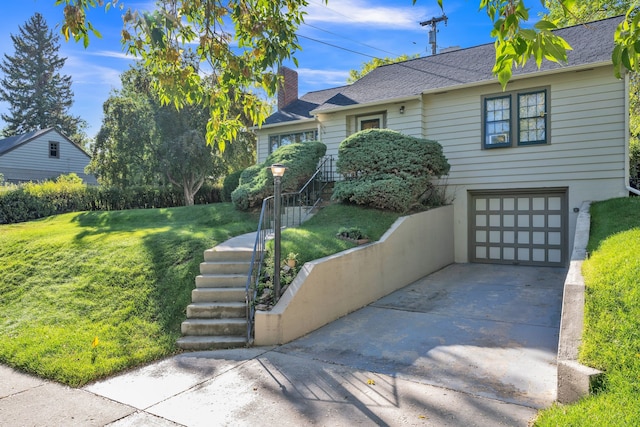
x=8, y=144
x=300, y=108
x=592, y=44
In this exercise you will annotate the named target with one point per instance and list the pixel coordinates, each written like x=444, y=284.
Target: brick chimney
x=288, y=91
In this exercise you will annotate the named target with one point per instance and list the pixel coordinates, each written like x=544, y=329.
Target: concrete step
x=216, y=310
x=218, y=295
x=199, y=343
x=225, y=267
x=221, y=280
x=214, y=327
x=218, y=255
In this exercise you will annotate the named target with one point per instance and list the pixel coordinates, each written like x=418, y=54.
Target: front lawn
x=85, y=295
x=124, y=277
x=611, y=338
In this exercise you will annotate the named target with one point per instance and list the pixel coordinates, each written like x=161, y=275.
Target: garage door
x=527, y=227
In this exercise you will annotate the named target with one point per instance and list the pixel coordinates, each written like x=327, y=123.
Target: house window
x=276, y=141
x=54, y=150
x=375, y=121
x=516, y=118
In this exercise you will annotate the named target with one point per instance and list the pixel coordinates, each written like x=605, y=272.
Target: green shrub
x=256, y=182
x=31, y=201
x=229, y=184
x=388, y=170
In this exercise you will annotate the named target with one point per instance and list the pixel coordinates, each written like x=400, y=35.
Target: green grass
x=611, y=337
x=316, y=238
x=124, y=277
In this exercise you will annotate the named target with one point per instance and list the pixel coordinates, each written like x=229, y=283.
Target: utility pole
x=433, y=31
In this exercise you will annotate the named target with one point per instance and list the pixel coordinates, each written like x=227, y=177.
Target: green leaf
x=545, y=25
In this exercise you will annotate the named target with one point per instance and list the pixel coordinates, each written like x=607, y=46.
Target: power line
x=338, y=47
x=352, y=40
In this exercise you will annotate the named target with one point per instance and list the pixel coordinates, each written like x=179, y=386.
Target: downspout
x=627, y=133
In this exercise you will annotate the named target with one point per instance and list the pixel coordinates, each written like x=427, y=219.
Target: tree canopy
x=39, y=96
x=242, y=43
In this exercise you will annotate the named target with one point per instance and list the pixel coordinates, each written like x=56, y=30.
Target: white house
x=40, y=155
x=522, y=160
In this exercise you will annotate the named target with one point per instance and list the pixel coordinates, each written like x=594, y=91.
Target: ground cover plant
x=611, y=337
x=84, y=295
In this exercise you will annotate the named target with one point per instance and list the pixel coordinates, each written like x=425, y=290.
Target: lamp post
x=277, y=170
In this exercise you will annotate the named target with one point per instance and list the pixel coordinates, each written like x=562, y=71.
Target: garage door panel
x=519, y=227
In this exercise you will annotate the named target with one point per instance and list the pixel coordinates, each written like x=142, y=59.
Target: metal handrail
x=297, y=208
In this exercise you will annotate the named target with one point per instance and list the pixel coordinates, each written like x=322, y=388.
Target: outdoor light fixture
x=277, y=170
x=402, y=109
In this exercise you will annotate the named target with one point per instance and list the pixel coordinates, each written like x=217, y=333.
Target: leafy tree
x=142, y=142
x=38, y=95
x=375, y=63
x=125, y=152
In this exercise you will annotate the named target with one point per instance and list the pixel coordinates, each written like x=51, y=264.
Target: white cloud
x=362, y=13
x=327, y=78
x=112, y=54
x=87, y=72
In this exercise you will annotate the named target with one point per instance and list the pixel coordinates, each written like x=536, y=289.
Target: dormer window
x=54, y=150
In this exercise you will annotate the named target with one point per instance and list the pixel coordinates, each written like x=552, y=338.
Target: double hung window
x=516, y=118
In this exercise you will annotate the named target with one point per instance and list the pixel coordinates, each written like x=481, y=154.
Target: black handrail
x=297, y=207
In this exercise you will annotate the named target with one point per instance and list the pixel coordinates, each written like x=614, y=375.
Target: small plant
x=353, y=233
x=292, y=259
x=94, y=349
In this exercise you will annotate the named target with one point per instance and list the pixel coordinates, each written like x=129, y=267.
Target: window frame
x=54, y=146
x=302, y=133
x=370, y=117
x=515, y=121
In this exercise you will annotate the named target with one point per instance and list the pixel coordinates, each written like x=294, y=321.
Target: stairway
x=217, y=316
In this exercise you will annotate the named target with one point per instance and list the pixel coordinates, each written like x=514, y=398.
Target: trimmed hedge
x=37, y=200
x=256, y=182
x=385, y=169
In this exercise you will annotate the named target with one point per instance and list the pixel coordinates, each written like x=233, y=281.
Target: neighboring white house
x=41, y=155
x=522, y=160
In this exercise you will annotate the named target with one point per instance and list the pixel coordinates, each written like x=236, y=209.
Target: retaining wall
x=331, y=287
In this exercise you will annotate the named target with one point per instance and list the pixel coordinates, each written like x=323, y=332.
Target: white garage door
x=527, y=227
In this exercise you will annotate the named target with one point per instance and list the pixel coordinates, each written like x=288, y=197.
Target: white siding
x=31, y=161
x=585, y=154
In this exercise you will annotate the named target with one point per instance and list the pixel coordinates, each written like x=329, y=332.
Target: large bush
x=387, y=170
x=256, y=182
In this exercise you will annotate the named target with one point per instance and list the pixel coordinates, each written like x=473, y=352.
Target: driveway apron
x=482, y=329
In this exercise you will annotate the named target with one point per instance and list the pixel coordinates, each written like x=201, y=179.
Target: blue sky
x=335, y=38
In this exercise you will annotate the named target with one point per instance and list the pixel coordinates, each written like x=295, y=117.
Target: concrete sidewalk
x=471, y=345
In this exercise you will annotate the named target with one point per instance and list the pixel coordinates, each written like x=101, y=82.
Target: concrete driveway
x=470, y=345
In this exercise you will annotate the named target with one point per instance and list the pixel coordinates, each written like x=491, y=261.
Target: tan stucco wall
x=331, y=287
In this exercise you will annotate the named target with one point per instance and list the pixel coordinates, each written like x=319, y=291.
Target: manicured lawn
x=316, y=238
x=611, y=339
x=124, y=277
